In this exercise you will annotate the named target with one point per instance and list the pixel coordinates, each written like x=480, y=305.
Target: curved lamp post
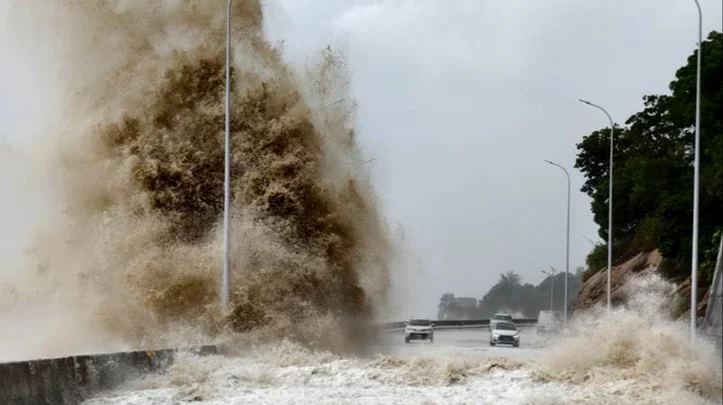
x=610, y=200
x=567, y=251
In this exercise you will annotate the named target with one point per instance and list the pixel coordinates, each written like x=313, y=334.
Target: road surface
x=472, y=342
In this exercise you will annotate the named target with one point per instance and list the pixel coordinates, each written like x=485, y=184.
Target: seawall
x=70, y=380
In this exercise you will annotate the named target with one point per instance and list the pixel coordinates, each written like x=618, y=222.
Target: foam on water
x=639, y=344
x=383, y=380
x=635, y=355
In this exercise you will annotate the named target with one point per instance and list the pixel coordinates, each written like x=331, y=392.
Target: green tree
x=653, y=185
x=511, y=294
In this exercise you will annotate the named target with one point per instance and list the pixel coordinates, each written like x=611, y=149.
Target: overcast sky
x=459, y=103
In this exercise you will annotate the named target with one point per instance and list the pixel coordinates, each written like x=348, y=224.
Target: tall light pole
x=567, y=250
x=552, y=288
x=696, y=187
x=227, y=166
x=610, y=201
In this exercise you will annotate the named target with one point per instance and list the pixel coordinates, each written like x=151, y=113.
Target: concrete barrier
x=70, y=380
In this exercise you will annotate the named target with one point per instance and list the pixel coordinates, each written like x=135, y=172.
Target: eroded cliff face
x=594, y=291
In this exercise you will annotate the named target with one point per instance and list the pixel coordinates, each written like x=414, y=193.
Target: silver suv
x=499, y=318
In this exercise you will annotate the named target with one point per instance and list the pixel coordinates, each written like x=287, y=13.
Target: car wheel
x=406, y=340
x=492, y=343
x=516, y=345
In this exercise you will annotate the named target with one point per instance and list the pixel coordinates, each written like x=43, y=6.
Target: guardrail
x=713, y=321
x=456, y=324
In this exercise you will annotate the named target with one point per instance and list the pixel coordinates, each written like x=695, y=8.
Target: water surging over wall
x=135, y=257
x=637, y=351
x=635, y=355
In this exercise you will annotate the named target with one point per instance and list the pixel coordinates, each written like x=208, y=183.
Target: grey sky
x=460, y=102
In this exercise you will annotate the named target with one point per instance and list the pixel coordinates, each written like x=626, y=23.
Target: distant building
x=461, y=308
x=465, y=302
x=457, y=308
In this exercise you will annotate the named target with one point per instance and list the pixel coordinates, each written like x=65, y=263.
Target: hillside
x=653, y=186
x=594, y=291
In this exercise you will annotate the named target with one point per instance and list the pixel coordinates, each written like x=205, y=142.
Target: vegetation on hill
x=653, y=172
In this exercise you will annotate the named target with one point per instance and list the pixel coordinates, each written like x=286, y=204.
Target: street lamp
x=227, y=166
x=589, y=240
x=610, y=200
x=552, y=288
x=696, y=187
x=567, y=251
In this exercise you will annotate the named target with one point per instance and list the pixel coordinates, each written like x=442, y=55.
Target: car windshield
x=420, y=322
x=506, y=326
x=502, y=317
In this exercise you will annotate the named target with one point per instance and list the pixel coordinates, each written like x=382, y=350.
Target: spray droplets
x=141, y=167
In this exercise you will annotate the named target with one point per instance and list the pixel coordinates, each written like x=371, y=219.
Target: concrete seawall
x=70, y=380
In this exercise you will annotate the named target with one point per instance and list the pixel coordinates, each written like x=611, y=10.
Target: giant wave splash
x=131, y=256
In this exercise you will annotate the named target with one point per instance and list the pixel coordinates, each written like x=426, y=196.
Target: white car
x=418, y=329
x=499, y=318
x=505, y=333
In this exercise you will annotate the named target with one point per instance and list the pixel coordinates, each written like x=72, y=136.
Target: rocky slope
x=594, y=291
